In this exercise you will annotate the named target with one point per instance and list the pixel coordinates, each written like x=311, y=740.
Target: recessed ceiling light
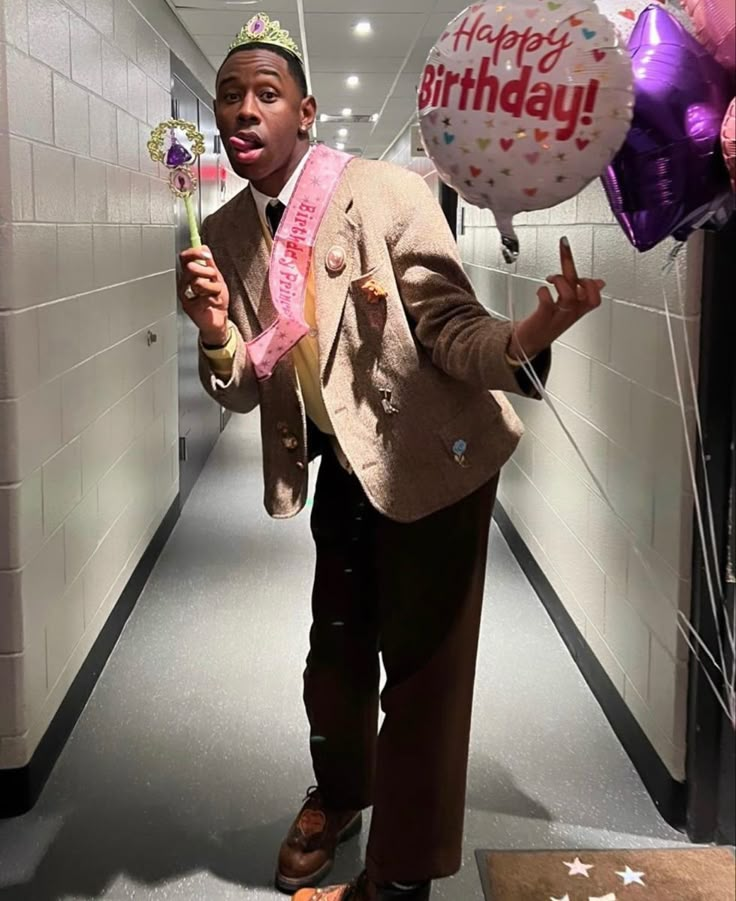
x=353, y=81
x=363, y=28
x=375, y=117
x=343, y=133
x=347, y=112
x=339, y=145
x=323, y=117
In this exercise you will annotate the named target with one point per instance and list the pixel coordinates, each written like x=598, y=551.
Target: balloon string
x=708, y=563
x=672, y=263
x=729, y=704
x=730, y=627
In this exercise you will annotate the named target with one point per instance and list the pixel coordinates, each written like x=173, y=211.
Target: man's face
x=260, y=112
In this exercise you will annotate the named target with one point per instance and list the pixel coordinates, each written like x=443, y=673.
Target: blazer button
x=335, y=259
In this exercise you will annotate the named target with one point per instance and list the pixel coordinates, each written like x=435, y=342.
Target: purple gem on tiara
x=177, y=155
x=258, y=27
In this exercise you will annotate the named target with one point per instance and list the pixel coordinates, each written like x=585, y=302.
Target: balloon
x=624, y=14
x=668, y=177
x=523, y=102
x=714, y=22
x=728, y=141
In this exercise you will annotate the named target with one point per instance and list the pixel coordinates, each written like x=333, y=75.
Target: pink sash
x=291, y=257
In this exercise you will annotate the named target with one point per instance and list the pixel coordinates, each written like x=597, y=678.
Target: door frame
x=194, y=447
x=449, y=203
x=711, y=763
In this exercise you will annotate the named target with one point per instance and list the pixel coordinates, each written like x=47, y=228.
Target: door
x=711, y=752
x=200, y=419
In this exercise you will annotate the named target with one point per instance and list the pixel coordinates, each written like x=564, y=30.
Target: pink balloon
x=715, y=27
x=728, y=141
x=623, y=14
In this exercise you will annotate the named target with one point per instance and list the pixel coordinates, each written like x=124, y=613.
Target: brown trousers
x=413, y=593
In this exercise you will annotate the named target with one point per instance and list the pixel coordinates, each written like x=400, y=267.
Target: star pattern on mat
x=609, y=897
x=577, y=868
x=631, y=877
x=564, y=898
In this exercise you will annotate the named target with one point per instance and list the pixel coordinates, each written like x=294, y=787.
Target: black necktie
x=274, y=212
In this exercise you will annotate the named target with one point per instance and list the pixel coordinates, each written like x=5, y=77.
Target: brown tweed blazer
x=411, y=382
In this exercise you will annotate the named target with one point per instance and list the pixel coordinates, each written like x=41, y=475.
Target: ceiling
x=388, y=62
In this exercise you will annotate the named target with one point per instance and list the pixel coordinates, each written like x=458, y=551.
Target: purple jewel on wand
x=177, y=154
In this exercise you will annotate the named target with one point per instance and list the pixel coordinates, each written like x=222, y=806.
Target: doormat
x=669, y=874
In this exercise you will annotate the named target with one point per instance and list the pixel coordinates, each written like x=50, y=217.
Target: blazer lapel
x=251, y=257
x=337, y=231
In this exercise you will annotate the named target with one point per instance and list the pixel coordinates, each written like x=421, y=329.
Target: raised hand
x=576, y=297
x=204, y=295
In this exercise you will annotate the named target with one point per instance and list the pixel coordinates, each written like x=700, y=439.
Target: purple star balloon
x=669, y=176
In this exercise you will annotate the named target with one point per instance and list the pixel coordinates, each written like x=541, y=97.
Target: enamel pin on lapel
x=288, y=439
x=335, y=261
x=374, y=293
x=458, y=451
x=387, y=401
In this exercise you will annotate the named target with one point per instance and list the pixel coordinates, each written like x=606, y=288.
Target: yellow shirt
x=306, y=361
x=305, y=354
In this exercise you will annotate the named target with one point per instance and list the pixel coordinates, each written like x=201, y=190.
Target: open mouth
x=247, y=147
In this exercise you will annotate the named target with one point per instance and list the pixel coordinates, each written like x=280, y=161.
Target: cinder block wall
x=88, y=408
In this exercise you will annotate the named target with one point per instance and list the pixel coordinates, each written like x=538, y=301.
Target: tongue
x=244, y=146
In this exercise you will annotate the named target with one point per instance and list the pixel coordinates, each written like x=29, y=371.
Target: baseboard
x=668, y=794
x=21, y=787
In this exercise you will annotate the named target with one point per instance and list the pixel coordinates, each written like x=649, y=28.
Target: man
x=386, y=371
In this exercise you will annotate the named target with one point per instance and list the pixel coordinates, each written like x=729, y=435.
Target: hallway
x=191, y=757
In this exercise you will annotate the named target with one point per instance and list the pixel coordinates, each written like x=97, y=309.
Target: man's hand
x=553, y=317
x=204, y=295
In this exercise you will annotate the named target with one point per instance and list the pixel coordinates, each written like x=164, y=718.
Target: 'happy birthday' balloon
x=524, y=102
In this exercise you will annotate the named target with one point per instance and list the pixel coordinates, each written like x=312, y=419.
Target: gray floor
x=191, y=757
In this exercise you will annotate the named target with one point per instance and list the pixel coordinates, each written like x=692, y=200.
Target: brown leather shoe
x=360, y=889
x=308, y=852
x=364, y=889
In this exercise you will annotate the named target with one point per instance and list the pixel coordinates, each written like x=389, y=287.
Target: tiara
x=261, y=30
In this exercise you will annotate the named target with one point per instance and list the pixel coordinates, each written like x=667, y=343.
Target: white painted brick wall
x=88, y=411
x=613, y=382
